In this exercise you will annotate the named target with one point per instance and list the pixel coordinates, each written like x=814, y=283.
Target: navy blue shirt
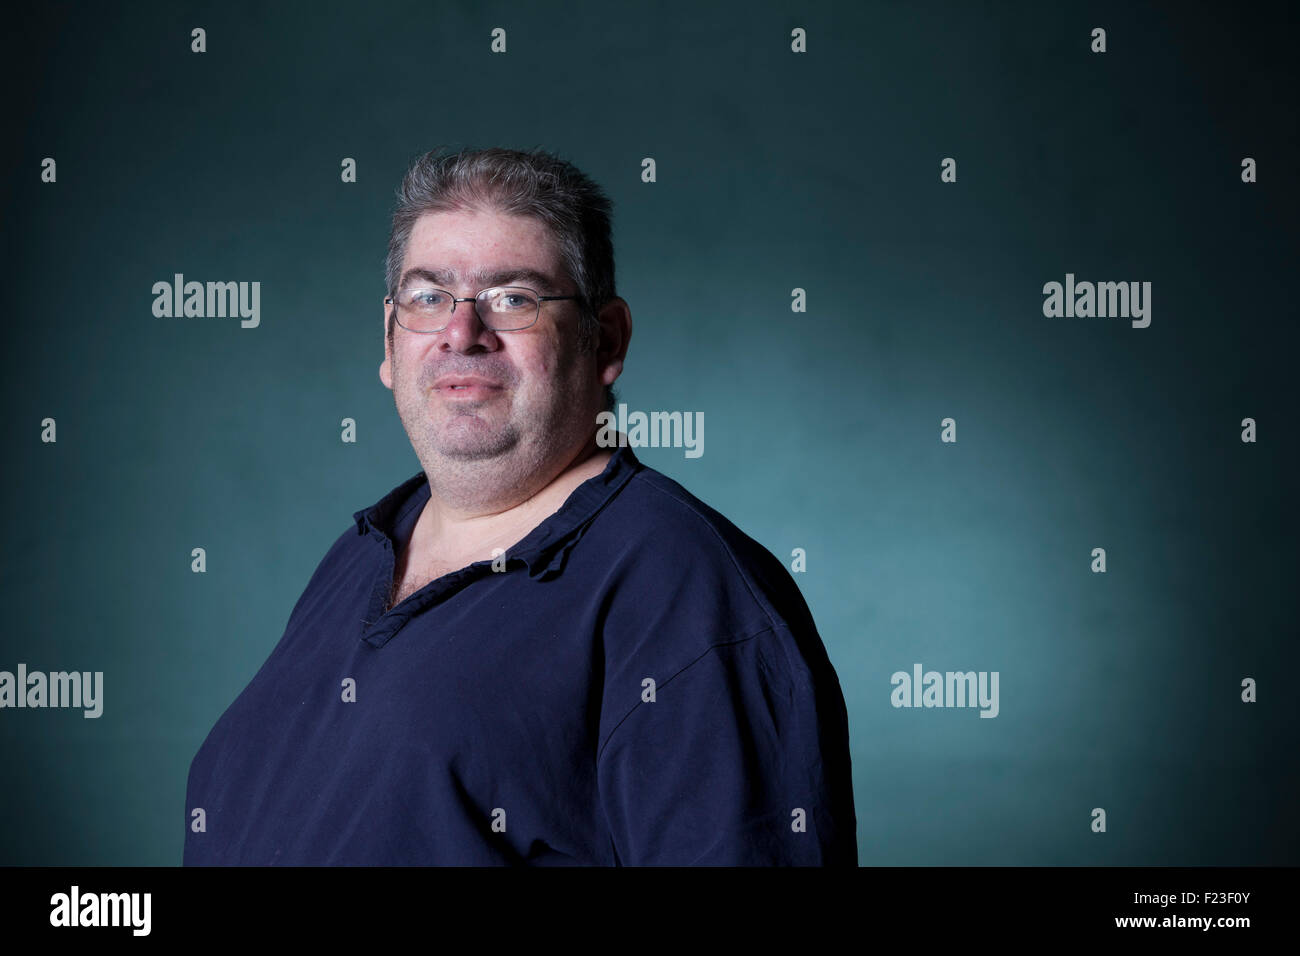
x=637, y=682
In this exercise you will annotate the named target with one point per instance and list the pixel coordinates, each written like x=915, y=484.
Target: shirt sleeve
x=741, y=759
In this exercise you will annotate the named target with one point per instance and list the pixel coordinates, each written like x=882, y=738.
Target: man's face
x=524, y=397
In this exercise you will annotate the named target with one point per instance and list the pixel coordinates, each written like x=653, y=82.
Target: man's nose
x=465, y=329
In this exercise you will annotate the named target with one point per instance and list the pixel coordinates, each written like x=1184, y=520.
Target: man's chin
x=474, y=444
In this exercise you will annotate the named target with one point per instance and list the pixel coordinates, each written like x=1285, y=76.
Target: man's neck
x=458, y=534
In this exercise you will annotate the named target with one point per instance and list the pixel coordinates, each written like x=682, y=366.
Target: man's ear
x=386, y=366
x=615, y=333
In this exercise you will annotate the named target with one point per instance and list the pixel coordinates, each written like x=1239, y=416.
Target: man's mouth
x=466, y=387
x=465, y=381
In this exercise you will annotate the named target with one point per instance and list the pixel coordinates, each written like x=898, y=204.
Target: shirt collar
x=544, y=548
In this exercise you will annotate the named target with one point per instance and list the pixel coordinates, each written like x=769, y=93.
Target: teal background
x=775, y=171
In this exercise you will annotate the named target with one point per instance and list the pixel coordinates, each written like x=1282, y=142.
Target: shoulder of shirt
x=669, y=535
x=694, y=597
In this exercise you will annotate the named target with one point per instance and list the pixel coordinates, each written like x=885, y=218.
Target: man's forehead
x=542, y=281
x=481, y=247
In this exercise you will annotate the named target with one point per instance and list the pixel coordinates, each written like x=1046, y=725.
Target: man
x=536, y=650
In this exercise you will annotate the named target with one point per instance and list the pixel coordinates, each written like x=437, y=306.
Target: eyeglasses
x=501, y=309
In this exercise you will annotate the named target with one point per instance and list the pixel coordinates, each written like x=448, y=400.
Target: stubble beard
x=470, y=461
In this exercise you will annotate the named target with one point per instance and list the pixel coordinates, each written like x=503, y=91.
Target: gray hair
x=536, y=184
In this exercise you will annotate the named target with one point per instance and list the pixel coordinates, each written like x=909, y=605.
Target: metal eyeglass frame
x=392, y=300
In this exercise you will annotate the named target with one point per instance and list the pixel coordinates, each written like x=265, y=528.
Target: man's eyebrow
x=444, y=278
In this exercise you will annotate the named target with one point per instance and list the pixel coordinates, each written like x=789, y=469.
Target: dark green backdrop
x=776, y=170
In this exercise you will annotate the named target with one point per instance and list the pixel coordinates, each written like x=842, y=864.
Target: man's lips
x=463, y=381
x=465, y=386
